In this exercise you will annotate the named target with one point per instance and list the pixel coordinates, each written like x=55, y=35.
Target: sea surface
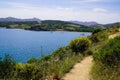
x=25, y=44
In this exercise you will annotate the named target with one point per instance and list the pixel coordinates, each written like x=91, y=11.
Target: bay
x=25, y=44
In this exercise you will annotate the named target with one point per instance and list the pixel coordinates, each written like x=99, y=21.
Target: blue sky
x=102, y=11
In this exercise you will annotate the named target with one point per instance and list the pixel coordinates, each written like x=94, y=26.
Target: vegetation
x=104, y=34
x=107, y=61
x=96, y=30
x=80, y=44
x=47, y=25
x=109, y=54
x=54, y=25
x=27, y=72
x=101, y=72
x=106, y=54
x=49, y=64
x=7, y=66
x=21, y=25
x=45, y=68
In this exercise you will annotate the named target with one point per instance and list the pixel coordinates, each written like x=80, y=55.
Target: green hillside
x=105, y=52
x=47, y=25
x=55, y=25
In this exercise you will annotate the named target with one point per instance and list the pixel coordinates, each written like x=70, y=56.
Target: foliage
x=7, y=66
x=110, y=53
x=54, y=66
x=28, y=71
x=101, y=72
x=106, y=56
x=57, y=64
x=47, y=25
x=32, y=60
x=79, y=44
x=96, y=30
x=9, y=24
x=99, y=37
x=104, y=34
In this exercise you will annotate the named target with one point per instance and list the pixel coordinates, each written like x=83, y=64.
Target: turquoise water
x=23, y=44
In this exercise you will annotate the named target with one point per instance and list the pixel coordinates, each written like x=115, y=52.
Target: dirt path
x=80, y=71
x=114, y=35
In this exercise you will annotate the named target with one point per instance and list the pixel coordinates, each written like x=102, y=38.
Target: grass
x=101, y=72
x=54, y=66
x=64, y=65
x=22, y=26
x=57, y=64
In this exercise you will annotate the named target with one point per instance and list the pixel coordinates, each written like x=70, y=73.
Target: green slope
x=56, y=25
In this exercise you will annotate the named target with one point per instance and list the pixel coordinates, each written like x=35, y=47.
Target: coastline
x=46, y=30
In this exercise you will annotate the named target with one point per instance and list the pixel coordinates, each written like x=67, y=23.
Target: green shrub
x=101, y=72
x=32, y=60
x=46, y=58
x=98, y=37
x=28, y=71
x=89, y=52
x=62, y=53
x=109, y=54
x=7, y=66
x=97, y=30
x=79, y=44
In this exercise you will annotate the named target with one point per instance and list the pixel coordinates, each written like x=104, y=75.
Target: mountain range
x=12, y=19
x=85, y=23
x=89, y=24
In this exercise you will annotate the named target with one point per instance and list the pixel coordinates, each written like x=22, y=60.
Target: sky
x=101, y=11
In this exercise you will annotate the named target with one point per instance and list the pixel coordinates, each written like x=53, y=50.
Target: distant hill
x=111, y=24
x=84, y=23
x=55, y=25
x=51, y=25
x=94, y=24
x=12, y=19
x=45, y=25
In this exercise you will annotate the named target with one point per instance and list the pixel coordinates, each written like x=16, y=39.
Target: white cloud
x=91, y=0
x=20, y=10
x=100, y=10
x=99, y=17
x=27, y=10
x=86, y=1
x=63, y=8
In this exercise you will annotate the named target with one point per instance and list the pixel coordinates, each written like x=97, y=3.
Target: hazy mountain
x=12, y=19
x=85, y=23
x=95, y=24
x=111, y=24
x=88, y=24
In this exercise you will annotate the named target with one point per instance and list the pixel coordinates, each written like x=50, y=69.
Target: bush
x=99, y=36
x=62, y=53
x=28, y=71
x=7, y=66
x=32, y=60
x=97, y=30
x=89, y=52
x=79, y=44
x=110, y=53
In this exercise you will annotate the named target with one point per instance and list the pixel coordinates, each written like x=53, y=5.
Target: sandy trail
x=114, y=35
x=80, y=70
